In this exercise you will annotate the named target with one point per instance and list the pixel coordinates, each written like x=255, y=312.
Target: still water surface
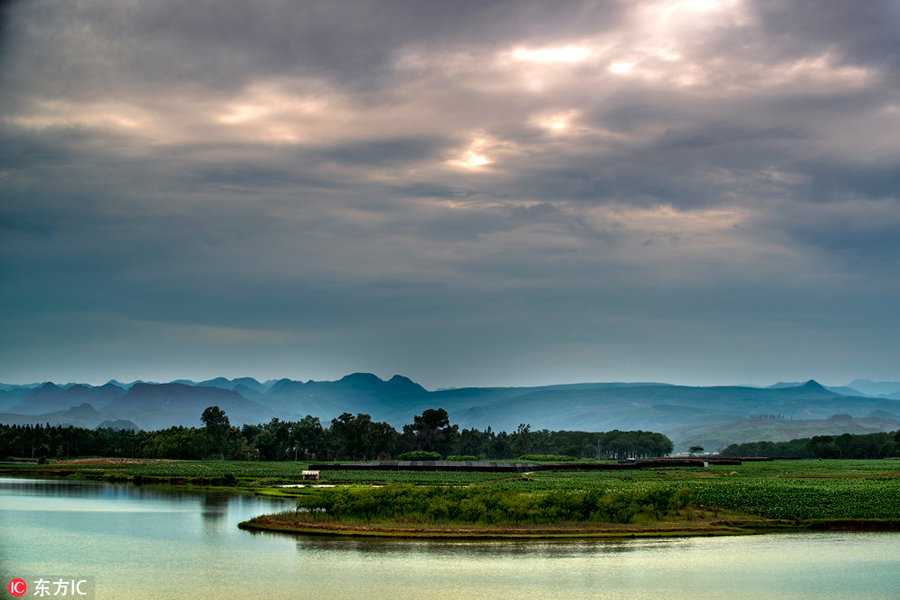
x=154, y=542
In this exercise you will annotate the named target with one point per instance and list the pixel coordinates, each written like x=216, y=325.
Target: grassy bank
x=761, y=496
x=673, y=527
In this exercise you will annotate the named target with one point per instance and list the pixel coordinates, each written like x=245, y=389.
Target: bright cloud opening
x=242, y=113
x=555, y=122
x=569, y=54
x=621, y=67
x=474, y=157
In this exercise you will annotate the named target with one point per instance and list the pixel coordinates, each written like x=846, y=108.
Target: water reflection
x=152, y=542
x=449, y=548
x=215, y=506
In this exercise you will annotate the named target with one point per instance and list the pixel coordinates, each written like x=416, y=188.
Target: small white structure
x=310, y=475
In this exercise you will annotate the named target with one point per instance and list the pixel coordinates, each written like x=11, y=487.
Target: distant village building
x=310, y=475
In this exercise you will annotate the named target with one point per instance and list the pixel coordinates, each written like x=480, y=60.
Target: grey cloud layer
x=436, y=188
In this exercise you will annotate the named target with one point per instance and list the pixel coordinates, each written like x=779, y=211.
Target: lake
x=154, y=542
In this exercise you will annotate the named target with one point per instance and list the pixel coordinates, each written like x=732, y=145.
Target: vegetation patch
x=489, y=505
x=546, y=458
x=755, y=496
x=476, y=511
x=420, y=455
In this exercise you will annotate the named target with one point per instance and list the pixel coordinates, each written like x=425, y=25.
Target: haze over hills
x=708, y=416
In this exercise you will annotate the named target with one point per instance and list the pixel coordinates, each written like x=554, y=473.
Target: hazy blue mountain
x=842, y=390
x=883, y=414
x=7, y=400
x=251, y=383
x=876, y=388
x=118, y=425
x=126, y=386
x=152, y=406
x=43, y=399
x=718, y=415
x=50, y=398
x=678, y=411
x=650, y=407
x=717, y=437
x=149, y=406
x=83, y=415
x=218, y=382
x=356, y=393
x=248, y=393
x=19, y=391
x=247, y=383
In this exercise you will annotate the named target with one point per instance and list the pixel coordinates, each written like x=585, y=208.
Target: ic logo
x=17, y=587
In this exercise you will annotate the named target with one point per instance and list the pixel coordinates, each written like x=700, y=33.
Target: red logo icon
x=17, y=587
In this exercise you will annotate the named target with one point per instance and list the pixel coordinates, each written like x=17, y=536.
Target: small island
x=570, y=502
x=491, y=512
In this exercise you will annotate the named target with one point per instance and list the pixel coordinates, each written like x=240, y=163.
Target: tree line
x=348, y=437
x=847, y=445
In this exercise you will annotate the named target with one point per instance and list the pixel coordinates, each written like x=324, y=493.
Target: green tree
x=823, y=446
x=520, y=441
x=308, y=437
x=217, y=428
x=431, y=431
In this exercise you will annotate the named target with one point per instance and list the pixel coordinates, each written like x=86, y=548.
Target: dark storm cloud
x=866, y=33
x=832, y=181
x=223, y=44
x=400, y=185
x=391, y=151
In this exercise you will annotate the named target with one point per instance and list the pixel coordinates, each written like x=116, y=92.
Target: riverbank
x=698, y=525
x=833, y=495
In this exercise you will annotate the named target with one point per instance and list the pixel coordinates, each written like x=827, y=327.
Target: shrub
x=420, y=455
x=463, y=458
x=546, y=457
x=488, y=505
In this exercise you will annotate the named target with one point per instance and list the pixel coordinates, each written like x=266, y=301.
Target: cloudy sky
x=466, y=193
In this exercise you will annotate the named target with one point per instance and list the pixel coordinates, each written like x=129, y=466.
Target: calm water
x=145, y=542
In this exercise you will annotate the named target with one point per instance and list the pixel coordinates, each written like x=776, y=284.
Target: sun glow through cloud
x=474, y=156
x=621, y=67
x=476, y=160
x=555, y=122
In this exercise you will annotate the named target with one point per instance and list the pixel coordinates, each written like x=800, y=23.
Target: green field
x=781, y=489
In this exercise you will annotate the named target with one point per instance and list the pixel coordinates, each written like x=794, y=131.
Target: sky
x=466, y=193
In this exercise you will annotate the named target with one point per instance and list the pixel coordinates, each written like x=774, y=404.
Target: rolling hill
x=708, y=416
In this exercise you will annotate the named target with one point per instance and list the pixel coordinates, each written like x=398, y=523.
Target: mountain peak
x=812, y=384
x=405, y=384
x=366, y=378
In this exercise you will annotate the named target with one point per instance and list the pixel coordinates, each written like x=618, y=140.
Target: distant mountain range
x=709, y=416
